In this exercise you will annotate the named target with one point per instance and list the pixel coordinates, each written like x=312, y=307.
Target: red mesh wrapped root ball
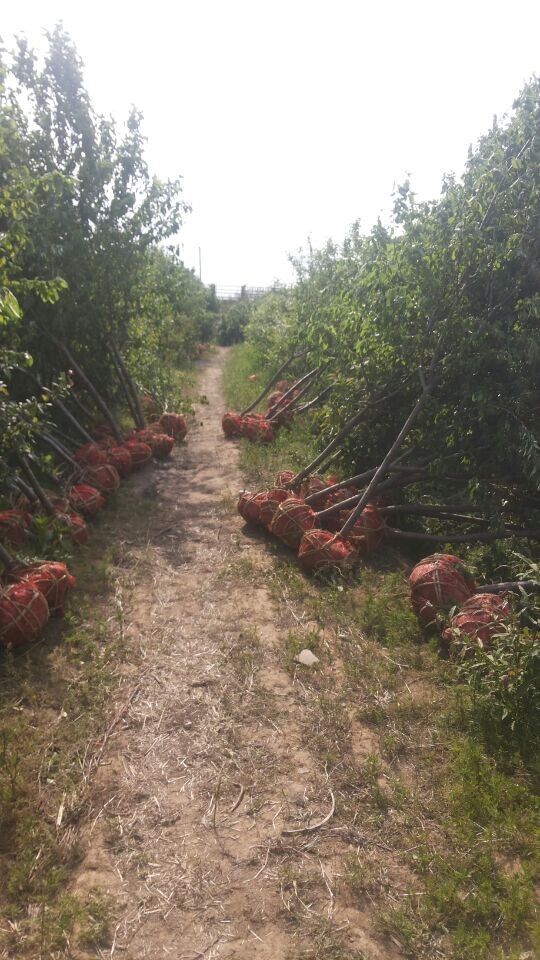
x=120, y=459
x=174, y=425
x=105, y=478
x=367, y=532
x=86, y=500
x=13, y=527
x=284, y=477
x=249, y=506
x=480, y=618
x=257, y=429
x=314, y=484
x=437, y=583
x=283, y=385
x=23, y=614
x=269, y=505
x=140, y=453
x=231, y=424
x=76, y=527
x=90, y=455
x=162, y=445
x=52, y=579
x=321, y=550
x=291, y=520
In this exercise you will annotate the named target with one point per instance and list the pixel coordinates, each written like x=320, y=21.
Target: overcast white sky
x=293, y=118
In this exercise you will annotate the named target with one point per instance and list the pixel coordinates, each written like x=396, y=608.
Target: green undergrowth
x=55, y=697
x=446, y=797
x=292, y=448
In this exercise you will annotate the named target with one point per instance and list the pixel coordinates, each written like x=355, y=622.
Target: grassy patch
x=54, y=697
x=425, y=791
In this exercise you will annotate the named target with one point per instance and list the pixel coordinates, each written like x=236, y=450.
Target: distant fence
x=241, y=293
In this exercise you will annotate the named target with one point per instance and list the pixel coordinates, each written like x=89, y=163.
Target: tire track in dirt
x=208, y=762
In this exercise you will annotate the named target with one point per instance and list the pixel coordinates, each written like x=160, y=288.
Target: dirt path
x=208, y=764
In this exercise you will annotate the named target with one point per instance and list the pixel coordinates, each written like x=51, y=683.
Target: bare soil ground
x=212, y=775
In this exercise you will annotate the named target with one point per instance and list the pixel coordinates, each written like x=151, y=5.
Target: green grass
x=292, y=448
x=468, y=827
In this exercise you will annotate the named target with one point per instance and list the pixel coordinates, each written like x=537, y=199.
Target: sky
x=291, y=120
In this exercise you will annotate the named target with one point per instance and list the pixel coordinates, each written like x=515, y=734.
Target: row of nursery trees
x=85, y=272
x=451, y=286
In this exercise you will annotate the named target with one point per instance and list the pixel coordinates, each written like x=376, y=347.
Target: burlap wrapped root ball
x=284, y=477
x=249, y=505
x=269, y=504
x=231, y=424
x=292, y=519
x=174, y=425
x=23, y=614
x=481, y=617
x=436, y=584
x=90, y=455
x=119, y=457
x=256, y=429
x=160, y=443
x=140, y=453
x=75, y=526
x=86, y=500
x=52, y=579
x=104, y=478
x=321, y=550
x=367, y=532
x=13, y=527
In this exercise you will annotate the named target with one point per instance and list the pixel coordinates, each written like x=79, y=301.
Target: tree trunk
x=270, y=384
x=36, y=486
x=100, y=403
x=387, y=460
x=128, y=385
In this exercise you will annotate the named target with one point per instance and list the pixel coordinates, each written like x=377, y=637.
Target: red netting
x=140, y=453
x=86, y=500
x=437, y=583
x=76, y=527
x=174, y=425
x=256, y=428
x=367, y=532
x=120, y=459
x=105, y=478
x=269, y=505
x=162, y=445
x=284, y=477
x=23, y=614
x=338, y=496
x=231, y=424
x=291, y=520
x=313, y=484
x=249, y=505
x=480, y=618
x=283, y=385
x=320, y=550
x=52, y=579
x=90, y=455
x=13, y=526
x=331, y=479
